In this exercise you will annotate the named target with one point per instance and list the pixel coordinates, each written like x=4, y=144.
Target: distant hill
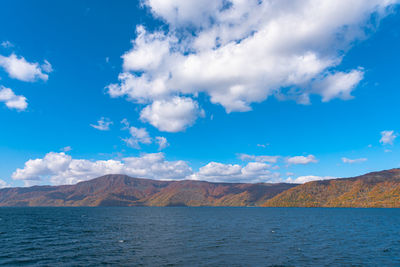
x=376, y=189
x=122, y=190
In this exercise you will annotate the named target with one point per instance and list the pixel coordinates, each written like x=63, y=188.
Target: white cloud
x=184, y=13
x=103, y=124
x=263, y=145
x=338, y=85
x=19, y=68
x=387, y=137
x=12, y=100
x=172, y=115
x=219, y=172
x=3, y=184
x=263, y=158
x=242, y=52
x=60, y=168
x=162, y=142
x=141, y=136
x=138, y=136
x=301, y=159
x=47, y=67
x=126, y=124
x=6, y=44
x=66, y=149
x=220, y=169
x=147, y=52
x=307, y=178
x=350, y=161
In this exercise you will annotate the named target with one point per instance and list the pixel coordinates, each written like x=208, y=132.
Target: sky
x=222, y=91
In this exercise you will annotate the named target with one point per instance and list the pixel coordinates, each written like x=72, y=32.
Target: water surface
x=177, y=236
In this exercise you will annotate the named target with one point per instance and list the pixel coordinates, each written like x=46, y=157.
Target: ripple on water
x=199, y=236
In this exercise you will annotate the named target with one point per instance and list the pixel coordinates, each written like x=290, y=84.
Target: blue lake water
x=178, y=236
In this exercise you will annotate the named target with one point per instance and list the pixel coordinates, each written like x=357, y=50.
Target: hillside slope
x=122, y=190
x=376, y=189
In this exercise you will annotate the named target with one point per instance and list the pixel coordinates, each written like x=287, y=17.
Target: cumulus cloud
x=60, y=168
x=242, y=52
x=162, y=142
x=307, y=178
x=219, y=172
x=138, y=136
x=181, y=13
x=141, y=136
x=220, y=169
x=387, y=137
x=18, y=68
x=351, y=161
x=12, y=100
x=148, y=51
x=103, y=124
x=3, y=184
x=263, y=158
x=338, y=85
x=172, y=115
x=301, y=160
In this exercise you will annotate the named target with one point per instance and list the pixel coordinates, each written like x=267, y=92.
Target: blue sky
x=261, y=91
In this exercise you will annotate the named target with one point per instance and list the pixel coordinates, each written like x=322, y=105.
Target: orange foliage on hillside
x=377, y=189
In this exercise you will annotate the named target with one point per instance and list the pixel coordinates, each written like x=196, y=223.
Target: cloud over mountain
x=3, y=184
x=307, y=178
x=60, y=168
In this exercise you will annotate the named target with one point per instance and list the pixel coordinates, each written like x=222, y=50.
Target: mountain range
x=376, y=189
x=122, y=190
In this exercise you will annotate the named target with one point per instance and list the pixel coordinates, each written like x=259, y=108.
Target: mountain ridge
x=374, y=189
x=122, y=190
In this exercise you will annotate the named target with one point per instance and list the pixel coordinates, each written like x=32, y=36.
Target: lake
x=188, y=236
